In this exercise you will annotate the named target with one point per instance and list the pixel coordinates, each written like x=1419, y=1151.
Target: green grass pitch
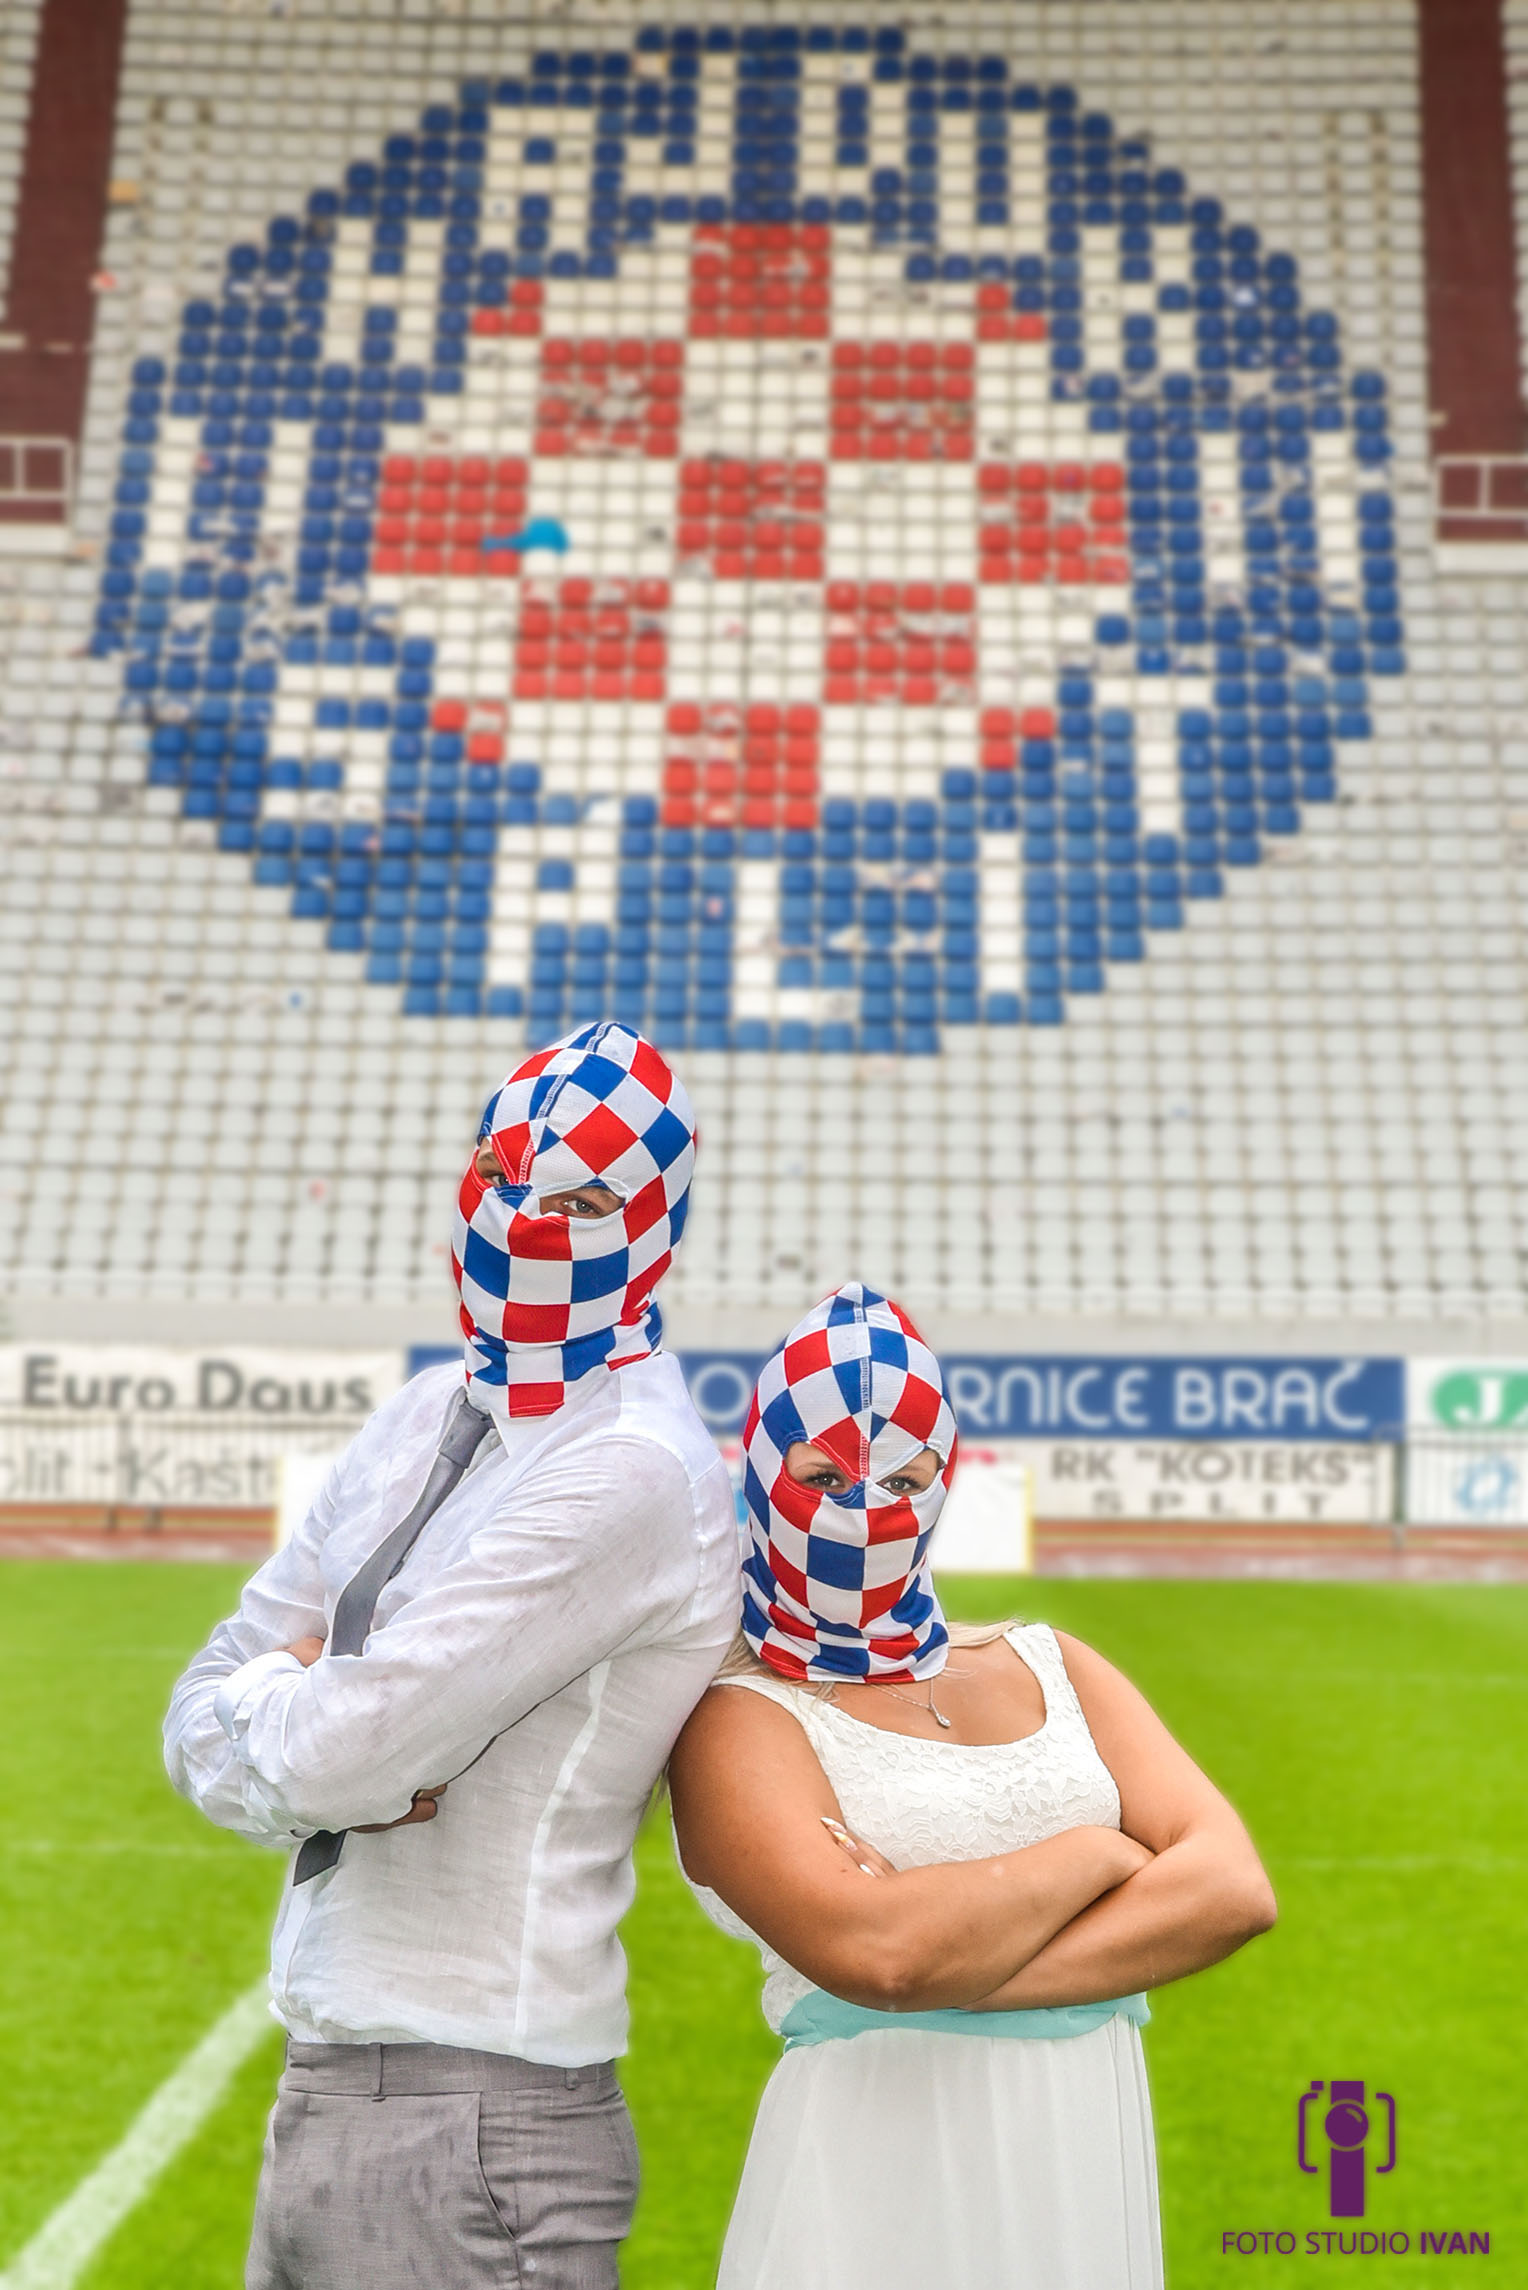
x=1373, y=1737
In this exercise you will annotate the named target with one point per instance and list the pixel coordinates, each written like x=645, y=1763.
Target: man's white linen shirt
x=546, y=1638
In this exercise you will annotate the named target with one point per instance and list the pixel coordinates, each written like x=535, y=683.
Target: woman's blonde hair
x=740, y=1660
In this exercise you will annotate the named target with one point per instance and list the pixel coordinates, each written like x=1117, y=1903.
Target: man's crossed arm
x=275, y=1739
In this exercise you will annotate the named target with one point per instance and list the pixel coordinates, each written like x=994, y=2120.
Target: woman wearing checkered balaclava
x=963, y=1855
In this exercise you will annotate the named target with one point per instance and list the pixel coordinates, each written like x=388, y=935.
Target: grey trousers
x=421, y=2167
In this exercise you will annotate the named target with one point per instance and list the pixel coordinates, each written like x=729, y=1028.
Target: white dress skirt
x=903, y=2159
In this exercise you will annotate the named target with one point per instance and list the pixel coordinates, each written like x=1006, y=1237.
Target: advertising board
x=1467, y=1396
x=1235, y=1481
x=1123, y=1396
x=145, y=1379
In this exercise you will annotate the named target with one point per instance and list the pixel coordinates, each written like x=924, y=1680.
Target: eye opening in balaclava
x=509, y=1178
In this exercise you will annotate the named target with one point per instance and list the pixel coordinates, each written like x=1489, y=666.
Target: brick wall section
x=1471, y=264
x=59, y=224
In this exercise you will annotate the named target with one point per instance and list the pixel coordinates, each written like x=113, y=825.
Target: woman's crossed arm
x=751, y=1811
x=1090, y=1913
x=1201, y=1896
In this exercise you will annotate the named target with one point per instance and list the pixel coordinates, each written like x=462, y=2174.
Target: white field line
x=64, y=2244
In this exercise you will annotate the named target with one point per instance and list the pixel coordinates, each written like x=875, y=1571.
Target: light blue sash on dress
x=820, y=2018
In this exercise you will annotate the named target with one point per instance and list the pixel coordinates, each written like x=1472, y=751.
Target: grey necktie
x=357, y=1602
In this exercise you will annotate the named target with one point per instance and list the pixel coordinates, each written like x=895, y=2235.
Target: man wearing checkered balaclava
x=449, y=1697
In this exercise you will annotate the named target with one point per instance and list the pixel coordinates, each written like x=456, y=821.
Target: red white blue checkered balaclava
x=839, y=1586
x=549, y=1300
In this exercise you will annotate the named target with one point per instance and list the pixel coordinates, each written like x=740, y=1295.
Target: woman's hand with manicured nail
x=876, y=1866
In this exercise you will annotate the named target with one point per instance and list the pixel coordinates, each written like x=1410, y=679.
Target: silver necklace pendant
x=934, y=1711
x=930, y=1705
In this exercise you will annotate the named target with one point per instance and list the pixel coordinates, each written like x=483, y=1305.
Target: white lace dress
x=912, y=2160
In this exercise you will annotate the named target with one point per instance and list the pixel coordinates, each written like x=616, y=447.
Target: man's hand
x=307, y=1651
x=422, y=1809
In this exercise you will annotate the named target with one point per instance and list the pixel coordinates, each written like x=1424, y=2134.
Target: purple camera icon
x=1346, y=2124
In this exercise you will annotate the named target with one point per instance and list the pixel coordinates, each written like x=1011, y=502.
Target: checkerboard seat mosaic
x=876, y=558
x=794, y=539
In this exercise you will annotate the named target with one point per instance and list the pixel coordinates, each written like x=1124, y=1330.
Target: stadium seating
x=953, y=686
